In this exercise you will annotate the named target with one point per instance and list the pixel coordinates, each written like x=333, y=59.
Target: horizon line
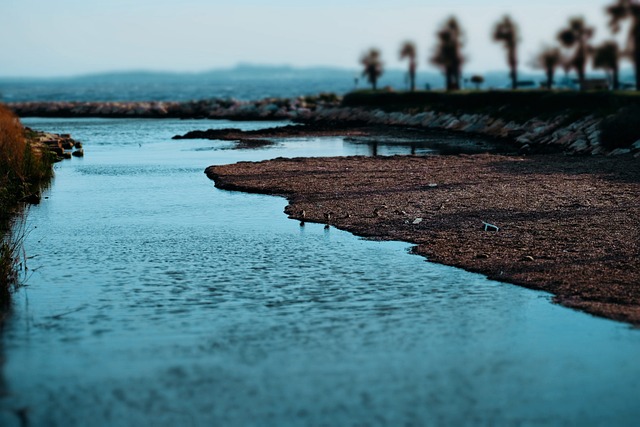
x=240, y=66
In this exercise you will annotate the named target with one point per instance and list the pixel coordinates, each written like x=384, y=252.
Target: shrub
x=12, y=145
x=9, y=269
x=23, y=168
x=621, y=129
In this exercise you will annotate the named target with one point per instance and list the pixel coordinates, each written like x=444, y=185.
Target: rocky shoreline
x=558, y=134
x=230, y=109
x=565, y=132
x=58, y=146
x=62, y=146
x=563, y=224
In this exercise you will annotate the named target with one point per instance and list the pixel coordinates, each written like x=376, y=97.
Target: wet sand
x=567, y=225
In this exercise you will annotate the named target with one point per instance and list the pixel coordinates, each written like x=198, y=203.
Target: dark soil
x=567, y=225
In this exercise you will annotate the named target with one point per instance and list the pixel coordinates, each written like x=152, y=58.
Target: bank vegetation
x=25, y=169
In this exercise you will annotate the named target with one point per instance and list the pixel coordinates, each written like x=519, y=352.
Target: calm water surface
x=157, y=299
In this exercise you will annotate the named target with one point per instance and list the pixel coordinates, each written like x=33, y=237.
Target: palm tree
x=577, y=36
x=607, y=57
x=620, y=11
x=408, y=50
x=448, y=55
x=549, y=59
x=506, y=32
x=372, y=66
x=477, y=80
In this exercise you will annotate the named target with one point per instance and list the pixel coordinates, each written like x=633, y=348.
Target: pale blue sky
x=70, y=37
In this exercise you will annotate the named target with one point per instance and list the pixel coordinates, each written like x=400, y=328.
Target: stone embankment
x=231, y=109
x=560, y=134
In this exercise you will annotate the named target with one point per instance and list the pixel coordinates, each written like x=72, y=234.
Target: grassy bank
x=24, y=170
x=518, y=106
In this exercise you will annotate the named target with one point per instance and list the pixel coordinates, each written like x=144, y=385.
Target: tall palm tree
x=620, y=11
x=448, y=55
x=549, y=59
x=577, y=36
x=506, y=32
x=607, y=57
x=408, y=50
x=373, y=66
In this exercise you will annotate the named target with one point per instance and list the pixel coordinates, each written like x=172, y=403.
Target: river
x=156, y=299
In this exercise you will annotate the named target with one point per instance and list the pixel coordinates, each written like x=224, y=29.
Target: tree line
x=572, y=51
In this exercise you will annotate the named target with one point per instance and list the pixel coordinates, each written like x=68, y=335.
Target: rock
x=594, y=137
x=490, y=227
x=78, y=153
x=453, y=124
x=620, y=152
x=417, y=221
x=539, y=130
x=579, y=145
x=57, y=150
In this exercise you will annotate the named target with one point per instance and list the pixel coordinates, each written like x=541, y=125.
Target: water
x=157, y=299
x=167, y=89
x=239, y=83
x=245, y=83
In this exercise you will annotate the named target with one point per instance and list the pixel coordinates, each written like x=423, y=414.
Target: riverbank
x=26, y=168
x=567, y=224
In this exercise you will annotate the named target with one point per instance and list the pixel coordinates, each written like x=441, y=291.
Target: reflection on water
x=419, y=143
x=158, y=299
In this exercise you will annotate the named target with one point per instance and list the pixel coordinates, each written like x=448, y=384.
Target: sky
x=50, y=38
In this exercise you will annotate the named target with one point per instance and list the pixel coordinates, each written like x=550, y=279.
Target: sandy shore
x=567, y=225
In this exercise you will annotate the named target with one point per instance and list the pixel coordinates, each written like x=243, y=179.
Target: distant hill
x=391, y=77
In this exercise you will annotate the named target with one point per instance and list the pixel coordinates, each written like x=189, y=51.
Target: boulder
x=620, y=152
